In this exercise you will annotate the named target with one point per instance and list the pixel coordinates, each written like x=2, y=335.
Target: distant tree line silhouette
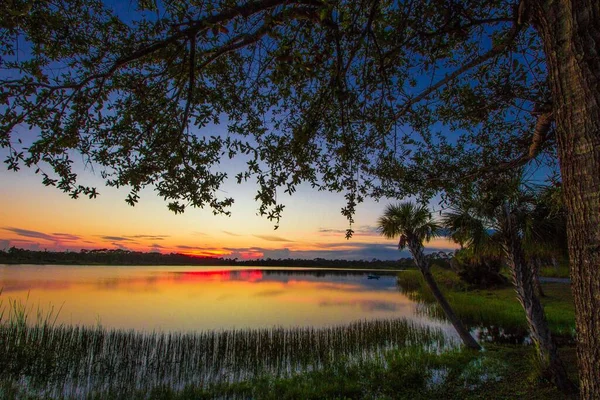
x=15, y=255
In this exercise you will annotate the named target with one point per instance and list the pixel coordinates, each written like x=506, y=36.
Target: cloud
x=116, y=238
x=230, y=233
x=199, y=234
x=367, y=230
x=120, y=246
x=157, y=246
x=66, y=236
x=363, y=230
x=154, y=237
x=184, y=247
x=272, y=238
x=323, y=230
x=343, y=251
x=31, y=234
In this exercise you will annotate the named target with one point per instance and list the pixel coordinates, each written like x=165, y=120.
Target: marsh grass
x=489, y=310
x=42, y=359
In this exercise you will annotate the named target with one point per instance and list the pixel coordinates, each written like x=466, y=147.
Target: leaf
x=323, y=14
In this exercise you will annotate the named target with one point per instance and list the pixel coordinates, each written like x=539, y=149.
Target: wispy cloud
x=367, y=230
x=116, y=238
x=31, y=234
x=153, y=237
x=66, y=236
x=230, y=233
x=272, y=238
x=120, y=246
x=184, y=247
x=327, y=230
x=363, y=230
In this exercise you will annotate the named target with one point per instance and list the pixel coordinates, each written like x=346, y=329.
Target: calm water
x=164, y=298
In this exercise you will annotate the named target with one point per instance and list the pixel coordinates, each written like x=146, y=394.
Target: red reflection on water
x=221, y=275
x=252, y=275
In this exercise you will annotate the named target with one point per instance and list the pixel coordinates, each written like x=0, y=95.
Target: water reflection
x=200, y=298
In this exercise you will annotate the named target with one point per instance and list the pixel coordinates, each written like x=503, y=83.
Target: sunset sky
x=37, y=217
x=33, y=216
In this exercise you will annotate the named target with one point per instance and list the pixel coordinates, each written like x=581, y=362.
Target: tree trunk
x=570, y=31
x=416, y=250
x=535, y=271
x=523, y=280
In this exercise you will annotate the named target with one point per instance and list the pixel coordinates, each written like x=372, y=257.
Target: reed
x=75, y=361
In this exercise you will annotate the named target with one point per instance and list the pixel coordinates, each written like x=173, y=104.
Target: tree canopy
x=370, y=98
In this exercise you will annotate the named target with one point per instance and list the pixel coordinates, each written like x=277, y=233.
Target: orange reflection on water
x=193, y=299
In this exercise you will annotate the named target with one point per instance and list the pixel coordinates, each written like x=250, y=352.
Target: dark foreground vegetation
x=126, y=257
x=364, y=360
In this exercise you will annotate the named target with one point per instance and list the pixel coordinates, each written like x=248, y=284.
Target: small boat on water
x=373, y=276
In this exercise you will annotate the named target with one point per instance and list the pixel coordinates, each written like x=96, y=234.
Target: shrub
x=481, y=271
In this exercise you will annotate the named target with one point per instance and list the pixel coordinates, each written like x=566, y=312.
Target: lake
x=194, y=299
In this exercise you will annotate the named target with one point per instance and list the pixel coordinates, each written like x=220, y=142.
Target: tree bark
x=416, y=250
x=524, y=282
x=535, y=271
x=570, y=31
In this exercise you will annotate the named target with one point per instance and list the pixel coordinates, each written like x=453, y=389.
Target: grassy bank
x=491, y=308
x=408, y=373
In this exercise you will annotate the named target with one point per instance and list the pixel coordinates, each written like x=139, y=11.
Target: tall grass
x=73, y=361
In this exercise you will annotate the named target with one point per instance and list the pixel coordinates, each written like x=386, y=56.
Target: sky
x=37, y=217
x=33, y=216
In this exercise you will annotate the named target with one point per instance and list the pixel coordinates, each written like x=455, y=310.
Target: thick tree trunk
x=570, y=31
x=523, y=280
x=416, y=250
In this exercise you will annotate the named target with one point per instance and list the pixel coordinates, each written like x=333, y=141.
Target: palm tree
x=413, y=225
x=500, y=217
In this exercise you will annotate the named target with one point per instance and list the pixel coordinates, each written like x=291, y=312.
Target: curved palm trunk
x=535, y=271
x=523, y=279
x=416, y=249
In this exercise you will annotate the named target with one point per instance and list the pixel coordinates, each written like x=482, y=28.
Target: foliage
x=409, y=222
x=482, y=271
x=327, y=93
x=480, y=218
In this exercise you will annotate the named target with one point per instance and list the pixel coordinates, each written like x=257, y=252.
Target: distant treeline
x=126, y=257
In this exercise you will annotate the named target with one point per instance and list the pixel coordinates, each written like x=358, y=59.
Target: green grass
x=550, y=272
x=491, y=307
x=501, y=372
